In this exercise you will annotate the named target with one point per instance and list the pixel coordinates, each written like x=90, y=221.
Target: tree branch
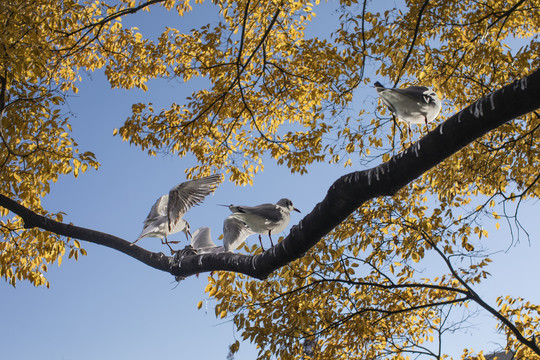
x=346, y=195
x=520, y=336
x=415, y=34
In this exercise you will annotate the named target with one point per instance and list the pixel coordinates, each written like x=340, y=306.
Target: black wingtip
x=378, y=84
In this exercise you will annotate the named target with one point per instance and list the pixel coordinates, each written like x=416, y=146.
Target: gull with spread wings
x=166, y=216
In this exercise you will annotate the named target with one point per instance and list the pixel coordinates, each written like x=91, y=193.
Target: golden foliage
x=41, y=53
x=359, y=294
x=271, y=92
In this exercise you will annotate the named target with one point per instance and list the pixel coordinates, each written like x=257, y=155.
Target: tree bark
x=346, y=195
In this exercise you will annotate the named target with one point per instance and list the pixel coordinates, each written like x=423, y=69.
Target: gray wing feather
x=270, y=212
x=158, y=209
x=235, y=232
x=155, y=227
x=412, y=92
x=202, y=238
x=187, y=194
x=202, y=242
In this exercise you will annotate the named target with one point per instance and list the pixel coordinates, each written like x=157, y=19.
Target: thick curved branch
x=346, y=195
x=32, y=219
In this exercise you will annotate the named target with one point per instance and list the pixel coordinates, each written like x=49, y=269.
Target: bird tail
x=378, y=85
x=234, y=209
x=145, y=232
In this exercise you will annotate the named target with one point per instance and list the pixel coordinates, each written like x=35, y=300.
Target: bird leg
x=170, y=248
x=425, y=120
x=260, y=240
x=169, y=242
x=396, y=125
x=270, y=236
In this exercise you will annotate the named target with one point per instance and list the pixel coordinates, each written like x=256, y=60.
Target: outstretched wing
x=202, y=238
x=235, y=232
x=158, y=209
x=187, y=194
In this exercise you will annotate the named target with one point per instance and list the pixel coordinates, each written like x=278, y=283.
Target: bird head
x=286, y=203
x=186, y=230
x=431, y=97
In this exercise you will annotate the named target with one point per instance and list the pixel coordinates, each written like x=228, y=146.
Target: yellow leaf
x=235, y=346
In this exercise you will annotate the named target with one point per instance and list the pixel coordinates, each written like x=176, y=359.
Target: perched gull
x=202, y=242
x=265, y=218
x=413, y=105
x=235, y=232
x=165, y=217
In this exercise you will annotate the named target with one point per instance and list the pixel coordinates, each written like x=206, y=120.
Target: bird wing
x=415, y=93
x=202, y=239
x=235, y=232
x=386, y=96
x=187, y=194
x=202, y=242
x=153, y=228
x=158, y=209
x=270, y=212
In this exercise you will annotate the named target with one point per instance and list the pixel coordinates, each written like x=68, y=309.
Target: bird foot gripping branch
x=177, y=259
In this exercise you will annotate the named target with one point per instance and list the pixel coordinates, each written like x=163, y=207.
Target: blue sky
x=110, y=306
